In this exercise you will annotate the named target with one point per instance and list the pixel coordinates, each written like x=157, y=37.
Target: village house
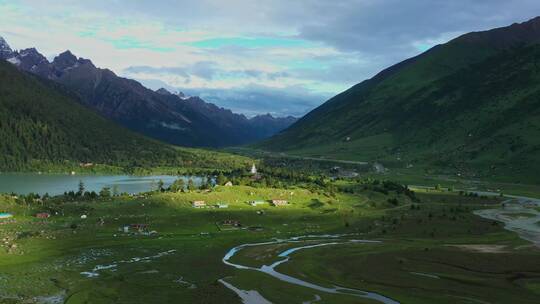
x=43, y=215
x=222, y=205
x=256, y=203
x=279, y=202
x=233, y=223
x=198, y=204
x=139, y=227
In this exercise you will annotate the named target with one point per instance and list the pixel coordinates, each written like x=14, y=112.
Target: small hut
x=256, y=203
x=43, y=215
x=198, y=204
x=279, y=202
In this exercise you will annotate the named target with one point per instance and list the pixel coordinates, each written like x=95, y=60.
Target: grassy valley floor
x=431, y=249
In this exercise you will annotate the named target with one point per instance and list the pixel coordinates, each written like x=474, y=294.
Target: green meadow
x=431, y=248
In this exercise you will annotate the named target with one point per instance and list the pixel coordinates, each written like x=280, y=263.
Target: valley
x=194, y=160
x=378, y=242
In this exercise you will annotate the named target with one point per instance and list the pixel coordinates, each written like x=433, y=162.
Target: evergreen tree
x=205, y=184
x=178, y=185
x=115, y=191
x=221, y=179
x=105, y=192
x=36, y=135
x=81, y=188
x=191, y=185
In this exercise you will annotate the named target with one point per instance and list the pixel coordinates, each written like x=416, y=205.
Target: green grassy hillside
x=469, y=107
x=41, y=125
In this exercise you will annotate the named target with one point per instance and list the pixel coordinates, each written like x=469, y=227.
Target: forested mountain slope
x=42, y=123
x=470, y=107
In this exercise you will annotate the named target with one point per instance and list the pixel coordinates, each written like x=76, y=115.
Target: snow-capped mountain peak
x=3, y=44
x=182, y=95
x=5, y=49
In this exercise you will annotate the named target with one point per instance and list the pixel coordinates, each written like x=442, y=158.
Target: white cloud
x=341, y=42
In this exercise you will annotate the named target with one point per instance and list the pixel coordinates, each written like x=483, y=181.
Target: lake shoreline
x=58, y=184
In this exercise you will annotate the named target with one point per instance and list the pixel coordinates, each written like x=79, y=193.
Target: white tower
x=253, y=169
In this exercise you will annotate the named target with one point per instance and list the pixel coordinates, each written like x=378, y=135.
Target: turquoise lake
x=54, y=184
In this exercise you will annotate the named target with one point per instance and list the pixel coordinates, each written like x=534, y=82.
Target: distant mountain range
x=159, y=114
x=42, y=126
x=469, y=107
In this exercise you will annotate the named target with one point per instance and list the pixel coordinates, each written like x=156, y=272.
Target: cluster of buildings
x=202, y=204
x=137, y=229
x=274, y=202
x=199, y=204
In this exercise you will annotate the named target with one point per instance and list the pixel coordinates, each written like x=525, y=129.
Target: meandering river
x=253, y=297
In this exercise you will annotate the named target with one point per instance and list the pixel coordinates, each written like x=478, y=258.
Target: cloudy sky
x=281, y=56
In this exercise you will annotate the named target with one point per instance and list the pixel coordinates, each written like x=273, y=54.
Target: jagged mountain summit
x=174, y=118
x=5, y=50
x=268, y=124
x=261, y=126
